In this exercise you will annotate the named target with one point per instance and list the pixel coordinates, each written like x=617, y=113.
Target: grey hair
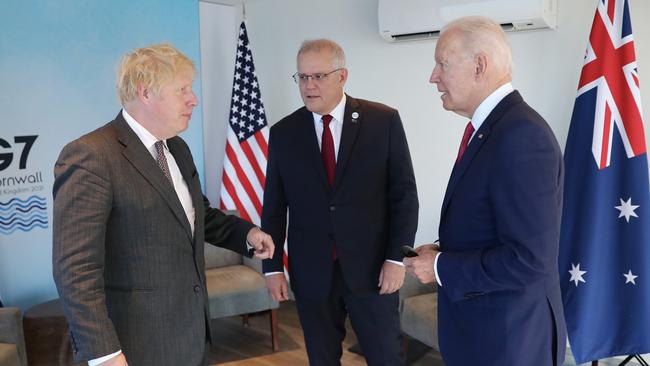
x=483, y=35
x=317, y=45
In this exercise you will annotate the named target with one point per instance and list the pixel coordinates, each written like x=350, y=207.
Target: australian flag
x=605, y=242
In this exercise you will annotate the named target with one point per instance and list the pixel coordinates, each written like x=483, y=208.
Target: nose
x=193, y=100
x=310, y=83
x=435, y=75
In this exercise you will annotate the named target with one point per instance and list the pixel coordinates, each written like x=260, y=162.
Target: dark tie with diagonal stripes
x=162, y=160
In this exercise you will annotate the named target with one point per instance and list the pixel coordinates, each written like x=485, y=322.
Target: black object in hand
x=408, y=251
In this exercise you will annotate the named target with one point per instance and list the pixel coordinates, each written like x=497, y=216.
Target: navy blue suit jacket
x=370, y=212
x=500, y=302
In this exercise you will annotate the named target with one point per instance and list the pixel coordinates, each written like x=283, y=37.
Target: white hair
x=483, y=35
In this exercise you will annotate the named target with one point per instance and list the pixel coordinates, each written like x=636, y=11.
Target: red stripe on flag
x=245, y=147
x=604, y=153
x=243, y=179
x=261, y=142
x=610, y=10
x=233, y=194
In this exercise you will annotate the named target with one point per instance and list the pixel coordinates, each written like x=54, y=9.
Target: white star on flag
x=576, y=274
x=627, y=209
x=629, y=277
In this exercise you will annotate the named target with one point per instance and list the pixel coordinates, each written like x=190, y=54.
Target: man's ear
x=480, y=65
x=344, y=76
x=144, y=94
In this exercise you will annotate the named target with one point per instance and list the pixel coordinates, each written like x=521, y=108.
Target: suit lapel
x=475, y=145
x=136, y=153
x=348, y=136
x=188, y=171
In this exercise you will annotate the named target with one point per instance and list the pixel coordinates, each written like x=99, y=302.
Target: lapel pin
x=355, y=115
x=480, y=135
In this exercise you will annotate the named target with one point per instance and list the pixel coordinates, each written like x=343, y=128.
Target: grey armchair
x=419, y=313
x=12, y=339
x=236, y=286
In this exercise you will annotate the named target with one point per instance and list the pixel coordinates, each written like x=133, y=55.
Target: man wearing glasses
x=341, y=168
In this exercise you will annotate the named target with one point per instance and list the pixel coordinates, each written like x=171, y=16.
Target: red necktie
x=329, y=160
x=327, y=150
x=469, y=130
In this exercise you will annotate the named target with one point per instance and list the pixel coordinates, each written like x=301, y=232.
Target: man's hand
x=261, y=242
x=118, y=360
x=421, y=267
x=426, y=247
x=277, y=285
x=391, y=278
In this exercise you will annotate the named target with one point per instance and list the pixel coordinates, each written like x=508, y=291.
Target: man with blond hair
x=496, y=264
x=130, y=223
x=341, y=167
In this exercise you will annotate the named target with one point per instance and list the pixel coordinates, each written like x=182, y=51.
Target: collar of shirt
x=336, y=125
x=336, y=113
x=487, y=105
x=147, y=138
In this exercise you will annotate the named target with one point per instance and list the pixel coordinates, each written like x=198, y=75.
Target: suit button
x=332, y=208
x=197, y=289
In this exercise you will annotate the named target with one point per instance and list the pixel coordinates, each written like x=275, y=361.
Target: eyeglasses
x=317, y=77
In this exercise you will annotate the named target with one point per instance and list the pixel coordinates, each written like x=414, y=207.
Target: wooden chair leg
x=274, y=330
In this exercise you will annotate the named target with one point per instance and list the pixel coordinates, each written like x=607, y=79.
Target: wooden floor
x=239, y=345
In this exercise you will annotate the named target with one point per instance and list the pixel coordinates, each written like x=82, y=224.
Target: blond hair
x=317, y=45
x=483, y=35
x=150, y=67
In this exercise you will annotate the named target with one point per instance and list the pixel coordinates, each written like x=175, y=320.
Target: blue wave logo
x=17, y=214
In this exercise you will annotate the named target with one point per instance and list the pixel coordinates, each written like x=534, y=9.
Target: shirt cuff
x=97, y=361
x=271, y=273
x=395, y=262
x=435, y=269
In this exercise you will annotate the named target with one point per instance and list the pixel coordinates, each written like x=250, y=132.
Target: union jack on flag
x=604, y=246
x=244, y=167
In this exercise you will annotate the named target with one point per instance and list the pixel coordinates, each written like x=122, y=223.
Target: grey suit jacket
x=128, y=270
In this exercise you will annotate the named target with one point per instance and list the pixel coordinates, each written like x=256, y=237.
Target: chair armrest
x=413, y=287
x=11, y=331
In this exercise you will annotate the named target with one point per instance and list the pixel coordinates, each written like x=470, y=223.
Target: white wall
x=547, y=67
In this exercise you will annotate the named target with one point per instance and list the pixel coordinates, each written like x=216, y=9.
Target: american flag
x=244, y=167
x=604, y=247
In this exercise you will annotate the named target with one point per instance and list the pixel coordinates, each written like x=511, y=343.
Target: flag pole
x=243, y=7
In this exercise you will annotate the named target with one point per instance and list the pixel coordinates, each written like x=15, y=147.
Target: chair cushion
x=219, y=257
x=9, y=355
x=419, y=318
x=238, y=289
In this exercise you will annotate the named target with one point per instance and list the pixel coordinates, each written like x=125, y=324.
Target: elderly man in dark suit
x=130, y=223
x=499, y=297
x=341, y=167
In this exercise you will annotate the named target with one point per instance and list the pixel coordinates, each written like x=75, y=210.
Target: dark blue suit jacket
x=500, y=302
x=370, y=212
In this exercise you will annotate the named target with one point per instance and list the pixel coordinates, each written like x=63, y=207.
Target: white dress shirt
x=480, y=114
x=180, y=186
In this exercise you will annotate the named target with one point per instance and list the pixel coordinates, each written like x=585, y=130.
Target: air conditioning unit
x=404, y=20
